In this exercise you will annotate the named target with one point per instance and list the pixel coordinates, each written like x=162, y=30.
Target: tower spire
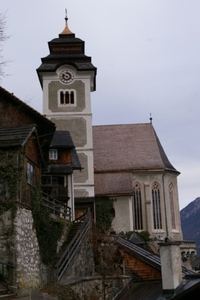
x=66, y=29
x=66, y=18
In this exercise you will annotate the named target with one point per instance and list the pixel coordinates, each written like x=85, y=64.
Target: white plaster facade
x=65, y=120
x=142, y=146
x=170, y=266
x=132, y=168
x=124, y=207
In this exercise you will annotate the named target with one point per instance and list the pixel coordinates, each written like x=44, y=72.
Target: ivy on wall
x=48, y=231
x=10, y=177
x=104, y=212
x=11, y=180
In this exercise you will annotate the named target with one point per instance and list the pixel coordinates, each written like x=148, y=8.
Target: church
x=123, y=162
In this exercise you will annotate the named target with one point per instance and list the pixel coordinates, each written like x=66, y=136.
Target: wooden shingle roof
x=145, y=255
x=113, y=184
x=15, y=136
x=128, y=147
x=62, y=139
x=120, y=150
x=67, y=49
x=45, y=127
x=151, y=290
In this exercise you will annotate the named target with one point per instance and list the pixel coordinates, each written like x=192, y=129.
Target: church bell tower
x=68, y=77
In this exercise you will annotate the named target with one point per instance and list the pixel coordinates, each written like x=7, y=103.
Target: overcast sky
x=147, y=54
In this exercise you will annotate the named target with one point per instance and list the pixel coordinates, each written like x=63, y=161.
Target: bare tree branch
x=3, y=38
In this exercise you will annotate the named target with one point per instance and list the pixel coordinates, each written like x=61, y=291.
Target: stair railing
x=56, y=207
x=73, y=247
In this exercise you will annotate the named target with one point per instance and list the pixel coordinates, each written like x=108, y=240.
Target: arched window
x=67, y=97
x=157, y=217
x=172, y=205
x=137, y=204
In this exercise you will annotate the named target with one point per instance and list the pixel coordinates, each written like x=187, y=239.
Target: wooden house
x=21, y=159
x=155, y=276
x=57, y=177
x=23, y=130
x=25, y=136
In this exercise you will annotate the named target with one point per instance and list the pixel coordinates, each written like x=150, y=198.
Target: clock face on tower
x=66, y=76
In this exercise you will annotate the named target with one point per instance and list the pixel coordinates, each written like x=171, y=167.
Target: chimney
x=171, y=268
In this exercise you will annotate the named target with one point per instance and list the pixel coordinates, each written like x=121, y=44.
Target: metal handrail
x=73, y=246
x=56, y=207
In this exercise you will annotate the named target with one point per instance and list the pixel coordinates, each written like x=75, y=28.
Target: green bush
x=104, y=208
x=48, y=231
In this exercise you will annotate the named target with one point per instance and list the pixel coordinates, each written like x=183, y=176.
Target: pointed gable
x=15, y=112
x=15, y=136
x=62, y=140
x=120, y=150
x=128, y=147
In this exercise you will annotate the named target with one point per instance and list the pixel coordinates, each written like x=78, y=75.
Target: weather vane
x=66, y=18
x=150, y=118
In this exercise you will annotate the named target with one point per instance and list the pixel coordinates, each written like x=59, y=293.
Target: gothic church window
x=172, y=208
x=137, y=203
x=67, y=97
x=156, y=201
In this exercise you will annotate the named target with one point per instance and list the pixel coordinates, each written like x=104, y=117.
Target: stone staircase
x=73, y=230
x=6, y=292
x=78, y=231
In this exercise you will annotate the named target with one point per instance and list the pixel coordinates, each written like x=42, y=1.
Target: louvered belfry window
x=67, y=97
x=137, y=202
x=156, y=201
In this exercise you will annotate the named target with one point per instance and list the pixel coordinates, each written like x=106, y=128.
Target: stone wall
x=83, y=263
x=19, y=247
x=27, y=258
x=83, y=279
x=99, y=288
x=6, y=245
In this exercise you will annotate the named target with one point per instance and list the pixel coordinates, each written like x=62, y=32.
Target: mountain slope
x=190, y=221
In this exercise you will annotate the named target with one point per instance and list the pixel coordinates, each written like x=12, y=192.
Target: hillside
x=190, y=220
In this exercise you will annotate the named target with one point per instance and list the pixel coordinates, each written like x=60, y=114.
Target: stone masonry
x=27, y=258
x=6, y=241
x=83, y=262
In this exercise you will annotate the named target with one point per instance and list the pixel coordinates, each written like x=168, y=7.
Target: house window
x=53, y=154
x=172, y=208
x=157, y=218
x=137, y=203
x=30, y=174
x=67, y=97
